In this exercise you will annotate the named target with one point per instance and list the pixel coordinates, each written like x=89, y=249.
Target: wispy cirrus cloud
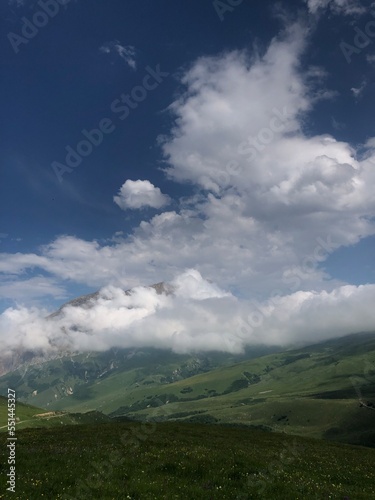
x=126, y=52
x=344, y=7
x=16, y=3
x=31, y=289
x=357, y=91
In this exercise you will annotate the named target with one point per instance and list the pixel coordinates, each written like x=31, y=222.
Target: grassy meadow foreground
x=171, y=460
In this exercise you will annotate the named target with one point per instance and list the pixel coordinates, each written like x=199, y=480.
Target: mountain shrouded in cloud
x=189, y=314
x=271, y=203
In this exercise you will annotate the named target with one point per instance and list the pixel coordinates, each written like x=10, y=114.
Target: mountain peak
x=88, y=301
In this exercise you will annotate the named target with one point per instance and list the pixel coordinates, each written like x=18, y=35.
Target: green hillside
x=73, y=380
x=325, y=390
x=28, y=416
x=25, y=414
x=184, y=461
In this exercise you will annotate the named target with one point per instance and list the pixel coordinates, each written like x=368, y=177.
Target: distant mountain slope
x=324, y=390
x=73, y=377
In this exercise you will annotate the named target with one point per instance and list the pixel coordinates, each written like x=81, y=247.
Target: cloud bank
x=198, y=316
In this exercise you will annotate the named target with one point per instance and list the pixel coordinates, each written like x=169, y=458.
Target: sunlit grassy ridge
x=185, y=461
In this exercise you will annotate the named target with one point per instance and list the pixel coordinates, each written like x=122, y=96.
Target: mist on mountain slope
x=189, y=314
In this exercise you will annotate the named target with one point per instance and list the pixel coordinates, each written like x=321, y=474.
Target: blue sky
x=176, y=184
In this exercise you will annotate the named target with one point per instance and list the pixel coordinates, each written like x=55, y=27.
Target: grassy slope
x=306, y=391
x=26, y=417
x=25, y=413
x=312, y=396
x=185, y=461
x=47, y=385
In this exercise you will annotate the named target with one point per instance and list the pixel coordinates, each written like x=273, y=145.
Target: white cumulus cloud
x=140, y=194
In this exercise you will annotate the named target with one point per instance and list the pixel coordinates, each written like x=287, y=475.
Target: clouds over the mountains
x=198, y=316
x=271, y=204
